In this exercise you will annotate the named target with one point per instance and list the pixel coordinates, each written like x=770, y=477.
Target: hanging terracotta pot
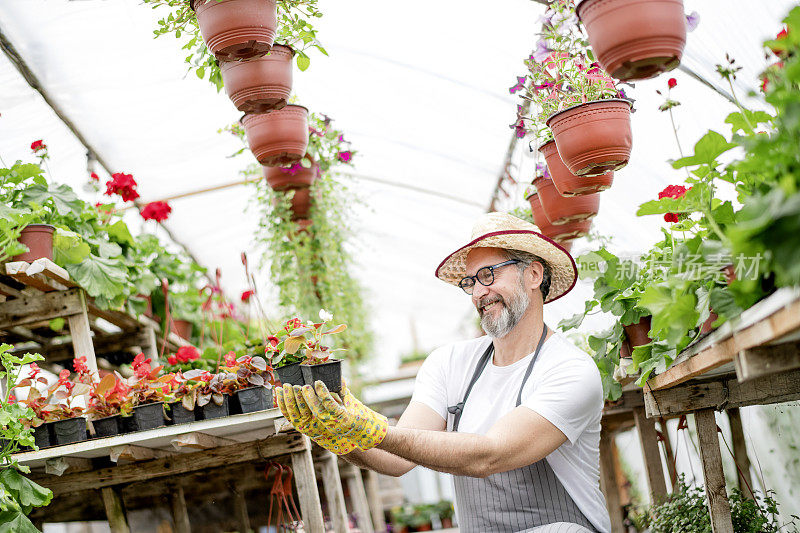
x=39, y=239
x=237, y=29
x=278, y=138
x=637, y=333
x=567, y=245
x=635, y=39
x=567, y=183
x=595, y=137
x=301, y=203
x=562, y=233
x=260, y=85
x=281, y=178
x=539, y=218
x=183, y=328
x=562, y=209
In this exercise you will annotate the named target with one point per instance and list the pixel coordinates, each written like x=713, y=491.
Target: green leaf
x=120, y=232
x=69, y=247
x=14, y=521
x=100, y=276
x=708, y=148
x=23, y=490
x=303, y=61
x=64, y=199
x=56, y=324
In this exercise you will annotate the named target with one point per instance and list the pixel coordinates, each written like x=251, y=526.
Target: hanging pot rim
x=592, y=102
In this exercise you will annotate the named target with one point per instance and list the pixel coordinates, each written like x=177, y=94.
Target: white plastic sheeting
x=420, y=88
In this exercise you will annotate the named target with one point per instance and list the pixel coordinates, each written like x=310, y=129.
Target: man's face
x=502, y=304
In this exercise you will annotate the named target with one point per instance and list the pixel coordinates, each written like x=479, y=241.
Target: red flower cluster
x=63, y=379
x=124, y=185
x=246, y=295
x=141, y=366
x=672, y=191
x=79, y=364
x=158, y=211
x=184, y=355
x=293, y=323
x=36, y=146
x=230, y=359
x=94, y=176
x=671, y=83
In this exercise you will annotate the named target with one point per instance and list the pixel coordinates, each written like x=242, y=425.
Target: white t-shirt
x=564, y=387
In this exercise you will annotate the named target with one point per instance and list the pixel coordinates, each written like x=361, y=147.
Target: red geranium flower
x=122, y=184
x=187, y=353
x=781, y=35
x=94, y=176
x=672, y=191
x=671, y=83
x=246, y=295
x=172, y=360
x=34, y=368
x=38, y=145
x=158, y=211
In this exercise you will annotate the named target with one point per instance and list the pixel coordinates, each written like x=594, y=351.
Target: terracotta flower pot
x=567, y=183
x=571, y=230
x=594, y=137
x=635, y=39
x=281, y=178
x=183, y=328
x=301, y=203
x=262, y=84
x=539, y=218
x=278, y=138
x=39, y=239
x=237, y=29
x=562, y=209
x=637, y=332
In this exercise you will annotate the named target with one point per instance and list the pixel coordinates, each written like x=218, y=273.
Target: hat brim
x=564, y=271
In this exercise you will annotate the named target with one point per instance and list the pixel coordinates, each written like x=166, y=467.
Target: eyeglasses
x=485, y=276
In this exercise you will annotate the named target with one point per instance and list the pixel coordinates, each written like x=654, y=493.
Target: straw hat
x=501, y=230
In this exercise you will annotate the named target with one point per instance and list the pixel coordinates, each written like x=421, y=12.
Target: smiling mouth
x=488, y=306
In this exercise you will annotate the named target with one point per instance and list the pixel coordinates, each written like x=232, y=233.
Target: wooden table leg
x=355, y=485
x=334, y=495
x=180, y=515
x=740, y=452
x=306, y=483
x=374, y=497
x=718, y=506
x=652, y=456
x=240, y=506
x=115, y=512
x=81, y=335
x=608, y=481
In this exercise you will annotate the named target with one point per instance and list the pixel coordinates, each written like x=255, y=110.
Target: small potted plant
x=109, y=399
x=260, y=85
x=286, y=362
x=278, y=138
x=57, y=408
x=445, y=510
x=148, y=390
x=213, y=396
x=182, y=401
x=237, y=29
x=253, y=388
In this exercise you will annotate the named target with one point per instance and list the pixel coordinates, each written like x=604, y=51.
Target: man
x=514, y=416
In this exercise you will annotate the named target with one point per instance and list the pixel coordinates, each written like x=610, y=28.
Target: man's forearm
x=380, y=461
x=460, y=454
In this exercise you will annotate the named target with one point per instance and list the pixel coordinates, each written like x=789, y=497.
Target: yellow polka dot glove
x=294, y=408
x=351, y=418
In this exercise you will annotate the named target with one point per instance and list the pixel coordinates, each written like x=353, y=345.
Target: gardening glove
x=294, y=408
x=351, y=418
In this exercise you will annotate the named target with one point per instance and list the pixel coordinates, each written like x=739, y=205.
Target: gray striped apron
x=516, y=500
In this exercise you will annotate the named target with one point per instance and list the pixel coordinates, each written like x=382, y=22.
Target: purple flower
x=519, y=129
x=344, y=157
x=541, y=52
x=519, y=86
x=622, y=94
x=692, y=20
x=341, y=138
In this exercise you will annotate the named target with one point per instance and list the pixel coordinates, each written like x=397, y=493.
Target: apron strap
x=530, y=365
x=458, y=409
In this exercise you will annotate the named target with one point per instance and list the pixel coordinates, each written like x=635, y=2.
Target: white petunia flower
x=325, y=316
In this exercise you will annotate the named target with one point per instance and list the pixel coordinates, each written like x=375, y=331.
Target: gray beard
x=509, y=316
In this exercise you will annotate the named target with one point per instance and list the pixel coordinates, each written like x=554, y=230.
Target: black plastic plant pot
x=329, y=373
x=291, y=374
x=148, y=416
x=212, y=410
x=253, y=399
x=178, y=414
x=41, y=436
x=69, y=431
x=107, y=426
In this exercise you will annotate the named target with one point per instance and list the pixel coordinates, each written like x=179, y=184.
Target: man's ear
x=535, y=271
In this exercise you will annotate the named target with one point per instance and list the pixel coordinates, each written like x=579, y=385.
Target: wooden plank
x=765, y=360
x=784, y=321
x=132, y=453
x=373, y=489
x=38, y=308
x=121, y=320
x=82, y=337
x=713, y=475
x=629, y=400
x=306, y=483
x=358, y=495
x=180, y=514
x=18, y=271
x=240, y=508
x=50, y=270
x=149, y=344
x=668, y=453
x=173, y=465
x=725, y=393
x=740, y=452
x=58, y=465
x=608, y=481
x=652, y=457
x=334, y=496
x=115, y=512
x=199, y=441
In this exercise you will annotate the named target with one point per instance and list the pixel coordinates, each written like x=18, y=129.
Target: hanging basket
x=635, y=39
x=549, y=230
x=567, y=183
x=237, y=29
x=39, y=239
x=282, y=178
x=595, y=137
x=561, y=209
x=571, y=230
x=262, y=84
x=278, y=138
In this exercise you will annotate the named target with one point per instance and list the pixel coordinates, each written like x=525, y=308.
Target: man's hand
x=353, y=419
x=294, y=408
